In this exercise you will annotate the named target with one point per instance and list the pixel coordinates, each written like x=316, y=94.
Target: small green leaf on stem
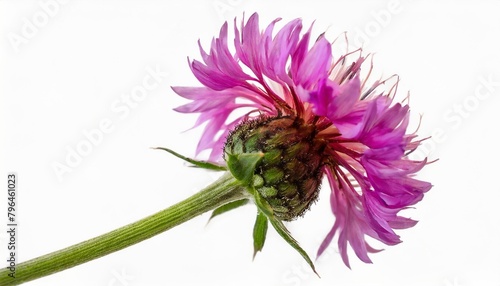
x=196, y=163
x=259, y=232
x=227, y=207
x=285, y=234
x=265, y=209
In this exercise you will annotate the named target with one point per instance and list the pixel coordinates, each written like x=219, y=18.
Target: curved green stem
x=224, y=190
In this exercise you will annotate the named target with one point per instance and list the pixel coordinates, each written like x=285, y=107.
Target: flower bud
x=289, y=174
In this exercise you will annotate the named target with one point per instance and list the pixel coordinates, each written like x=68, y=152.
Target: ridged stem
x=224, y=190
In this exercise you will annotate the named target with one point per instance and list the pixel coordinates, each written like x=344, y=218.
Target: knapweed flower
x=308, y=114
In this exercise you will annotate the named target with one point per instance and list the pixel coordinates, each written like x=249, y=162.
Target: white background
x=66, y=75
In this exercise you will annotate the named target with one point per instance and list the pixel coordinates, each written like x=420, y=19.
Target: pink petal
x=315, y=65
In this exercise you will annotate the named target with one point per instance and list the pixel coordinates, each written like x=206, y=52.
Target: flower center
x=289, y=175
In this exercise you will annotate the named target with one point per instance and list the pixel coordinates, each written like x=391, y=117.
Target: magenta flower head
x=284, y=105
